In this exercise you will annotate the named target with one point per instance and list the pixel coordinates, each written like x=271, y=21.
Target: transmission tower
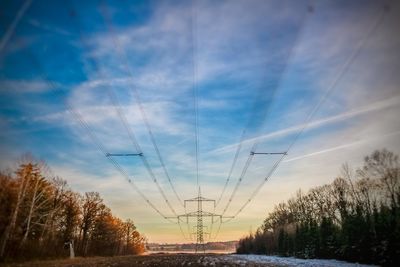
x=199, y=219
x=199, y=216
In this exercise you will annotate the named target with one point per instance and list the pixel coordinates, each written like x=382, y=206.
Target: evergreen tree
x=356, y=218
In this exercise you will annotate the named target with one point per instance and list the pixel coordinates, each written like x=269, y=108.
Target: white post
x=71, y=249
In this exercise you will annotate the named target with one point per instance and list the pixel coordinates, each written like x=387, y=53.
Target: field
x=192, y=260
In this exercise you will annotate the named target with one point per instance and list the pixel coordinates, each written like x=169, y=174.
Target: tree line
x=40, y=216
x=355, y=218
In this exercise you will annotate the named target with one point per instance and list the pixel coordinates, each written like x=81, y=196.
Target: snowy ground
x=283, y=261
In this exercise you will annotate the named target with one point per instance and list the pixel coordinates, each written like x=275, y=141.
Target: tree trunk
x=11, y=226
x=30, y=214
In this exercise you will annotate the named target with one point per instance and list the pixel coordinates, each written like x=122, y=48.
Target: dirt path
x=192, y=260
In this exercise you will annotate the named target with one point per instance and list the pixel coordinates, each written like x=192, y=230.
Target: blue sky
x=262, y=66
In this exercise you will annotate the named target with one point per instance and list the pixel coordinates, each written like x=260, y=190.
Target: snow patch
x=289, y=261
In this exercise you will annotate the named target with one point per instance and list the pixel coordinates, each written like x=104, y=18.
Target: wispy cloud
x=47, y=27
x=24, y=86
x=347, y=145
x=317, y=123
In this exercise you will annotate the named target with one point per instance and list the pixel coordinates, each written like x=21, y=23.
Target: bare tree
x=90, y=208
x=384, y=165
x=24, y=175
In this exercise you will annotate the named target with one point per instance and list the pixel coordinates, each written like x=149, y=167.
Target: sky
x=79, y=79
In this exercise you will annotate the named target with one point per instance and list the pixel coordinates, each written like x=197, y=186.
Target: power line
x=246, y=166
x=131, y=135
x=77, y=116
x=329, y=90
x=283, y=73
x=343, y=70
x=258, y=188
x=218, y=230
x=143, y=114
x=182, y=232
x=95, y=140
x=193, y=36
x=138, y=149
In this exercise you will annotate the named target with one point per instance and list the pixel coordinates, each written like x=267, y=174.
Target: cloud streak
x=10, y=30
x=23, y=86
x=315, y=124
x=331, y=149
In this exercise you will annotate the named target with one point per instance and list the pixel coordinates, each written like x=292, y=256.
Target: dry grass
x=192, y=260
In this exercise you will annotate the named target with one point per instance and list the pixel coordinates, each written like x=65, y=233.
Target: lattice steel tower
x=199, y=214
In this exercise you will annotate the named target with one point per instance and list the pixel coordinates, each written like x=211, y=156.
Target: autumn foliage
x=40, y=215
